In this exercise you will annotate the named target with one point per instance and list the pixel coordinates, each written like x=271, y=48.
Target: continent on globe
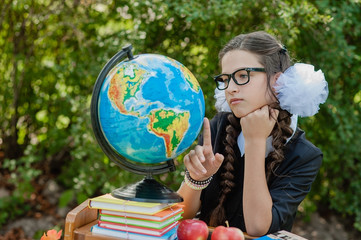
x=124, y=84
x=187, y=75
x=169, y=125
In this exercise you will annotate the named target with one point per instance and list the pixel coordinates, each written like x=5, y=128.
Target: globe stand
x=148, y=189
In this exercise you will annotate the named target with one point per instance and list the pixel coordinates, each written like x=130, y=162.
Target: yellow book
x=108, y=202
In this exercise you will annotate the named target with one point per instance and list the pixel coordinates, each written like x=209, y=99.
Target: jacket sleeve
x=292, y=182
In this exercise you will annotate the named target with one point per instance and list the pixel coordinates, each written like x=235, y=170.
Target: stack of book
x=135, y=220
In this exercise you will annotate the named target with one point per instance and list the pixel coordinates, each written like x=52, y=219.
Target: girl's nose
x=232, y=86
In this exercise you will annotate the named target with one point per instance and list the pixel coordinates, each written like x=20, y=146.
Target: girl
x=253, y=166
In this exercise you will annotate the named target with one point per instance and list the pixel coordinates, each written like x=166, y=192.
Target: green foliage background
x=51, y=52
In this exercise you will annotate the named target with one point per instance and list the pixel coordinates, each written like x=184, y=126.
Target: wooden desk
x=83, y=233
x=79, y=221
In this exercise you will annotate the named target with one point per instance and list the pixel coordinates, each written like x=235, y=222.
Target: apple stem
x=227, y=224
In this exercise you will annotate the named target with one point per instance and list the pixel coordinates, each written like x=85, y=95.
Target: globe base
x=147, y=190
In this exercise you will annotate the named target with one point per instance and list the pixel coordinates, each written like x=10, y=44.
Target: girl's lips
x=235, y=100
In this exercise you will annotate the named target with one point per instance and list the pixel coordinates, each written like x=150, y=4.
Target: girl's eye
x=222, y=79
x=241, y=76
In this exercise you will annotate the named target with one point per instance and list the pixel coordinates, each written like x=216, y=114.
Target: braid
x=232, y=130
x=280, y=133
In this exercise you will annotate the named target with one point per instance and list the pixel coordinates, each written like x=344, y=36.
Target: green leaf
x=66, y=197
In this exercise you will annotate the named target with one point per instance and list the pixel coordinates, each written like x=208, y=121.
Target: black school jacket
x=288, y=187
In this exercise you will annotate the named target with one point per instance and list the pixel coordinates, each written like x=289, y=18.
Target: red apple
x=227, y=233
x=192, y=229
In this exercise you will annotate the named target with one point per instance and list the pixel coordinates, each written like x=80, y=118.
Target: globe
x=150, y=108
x=145, y=112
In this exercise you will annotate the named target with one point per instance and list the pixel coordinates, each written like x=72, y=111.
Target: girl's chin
x=238, y=114
x=242, y=112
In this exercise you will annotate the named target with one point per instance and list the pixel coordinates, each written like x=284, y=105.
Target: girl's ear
x=274, y=78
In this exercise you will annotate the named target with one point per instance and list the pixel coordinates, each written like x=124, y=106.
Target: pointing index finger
x=206, y=133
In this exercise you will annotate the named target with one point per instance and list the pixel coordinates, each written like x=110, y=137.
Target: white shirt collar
x=269, y=147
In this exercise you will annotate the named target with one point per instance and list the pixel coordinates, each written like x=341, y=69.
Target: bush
x=52, y=52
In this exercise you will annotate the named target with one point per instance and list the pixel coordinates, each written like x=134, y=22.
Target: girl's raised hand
x=201, y=162
x=259, y=123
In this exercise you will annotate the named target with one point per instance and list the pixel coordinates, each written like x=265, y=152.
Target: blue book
x=281, y=235
x=170, y=235
x=266, y=238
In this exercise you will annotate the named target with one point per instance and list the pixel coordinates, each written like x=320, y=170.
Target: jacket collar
x=269, y=147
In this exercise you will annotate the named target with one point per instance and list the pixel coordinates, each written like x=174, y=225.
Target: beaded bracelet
x=194, y=184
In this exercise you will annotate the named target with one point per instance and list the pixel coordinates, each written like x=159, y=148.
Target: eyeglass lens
x=240, y=77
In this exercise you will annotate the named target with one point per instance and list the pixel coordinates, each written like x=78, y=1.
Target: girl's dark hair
x=274, y=57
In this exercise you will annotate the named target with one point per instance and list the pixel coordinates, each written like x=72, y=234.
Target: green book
x=139, y=222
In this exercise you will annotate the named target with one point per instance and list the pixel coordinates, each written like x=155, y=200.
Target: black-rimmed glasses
x=240, y=77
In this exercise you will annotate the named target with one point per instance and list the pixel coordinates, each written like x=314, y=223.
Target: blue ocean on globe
x=151, y=108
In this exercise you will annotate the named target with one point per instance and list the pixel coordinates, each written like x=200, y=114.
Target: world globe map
x=151, y=108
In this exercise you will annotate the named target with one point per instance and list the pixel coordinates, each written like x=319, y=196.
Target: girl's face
x=244, y=99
